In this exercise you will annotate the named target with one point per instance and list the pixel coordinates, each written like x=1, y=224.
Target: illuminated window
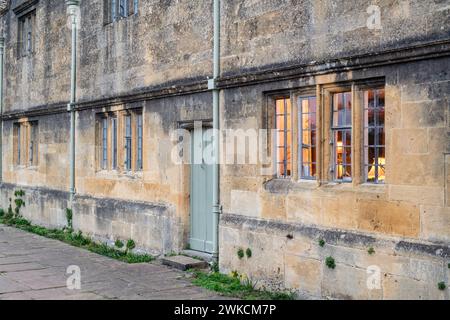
x=342, y=136
x=284, y=137
x=308, y=133
x=374, y=136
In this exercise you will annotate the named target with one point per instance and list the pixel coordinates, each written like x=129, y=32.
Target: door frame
x=190, y=125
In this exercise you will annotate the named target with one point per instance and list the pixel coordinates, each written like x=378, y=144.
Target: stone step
x=198, y=255
x=184, y=263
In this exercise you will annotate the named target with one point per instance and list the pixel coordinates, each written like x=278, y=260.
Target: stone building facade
x=357, y=93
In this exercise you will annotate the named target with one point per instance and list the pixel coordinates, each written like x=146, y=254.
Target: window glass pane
x=19, y=143
x=280, y=107
x=284, y=139
x=374, y=135
x=114, y=143
x=280, y=122
x=307, y=128
x=342, y=123
x=305, y=121
x=128, y=142
x=343, y=154
x=104, y=143
x=33, y=147
x=139, y=142
x=306, y=137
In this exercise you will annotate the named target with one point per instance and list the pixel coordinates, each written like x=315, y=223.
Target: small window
x=104, y=143
x=374, y=136
x=117, y=9
x=17, y=143
x=114, y=143
x=26, y=144
x=139, y=141
x=119, y=149
x=284, y=137
x=342, y=136
x=33, y=144
x=26, y=34
x=127, y=143
x=307, y=137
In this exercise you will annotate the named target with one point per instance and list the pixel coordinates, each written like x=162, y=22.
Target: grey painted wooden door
x=201, y=194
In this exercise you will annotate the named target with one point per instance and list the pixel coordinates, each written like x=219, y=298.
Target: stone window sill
x=114, y=174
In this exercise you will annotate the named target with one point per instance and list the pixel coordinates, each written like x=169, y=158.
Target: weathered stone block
x=303, y=274
x=416, y=194
x=347, y=282
x=389, y=217
x=245, y=202
x=435, y=223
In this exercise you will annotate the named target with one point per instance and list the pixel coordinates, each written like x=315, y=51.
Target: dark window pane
x=313, y=154
x=371, y=137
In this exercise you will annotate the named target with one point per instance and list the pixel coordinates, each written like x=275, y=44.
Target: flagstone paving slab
x=35, y=268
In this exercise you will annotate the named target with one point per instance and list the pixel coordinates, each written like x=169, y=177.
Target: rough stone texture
x=294, y=259
x=159, y=59
x=34, y=268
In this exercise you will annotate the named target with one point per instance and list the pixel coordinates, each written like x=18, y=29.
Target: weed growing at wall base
x=76, y=239
x=233, y=287
x=330, y=263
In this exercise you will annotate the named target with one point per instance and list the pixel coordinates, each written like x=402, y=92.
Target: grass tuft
x=233, y=287
x=76, y=239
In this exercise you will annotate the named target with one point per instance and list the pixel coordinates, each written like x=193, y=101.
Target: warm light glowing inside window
x=307, y=130
x=284, y=137
x=374, y=136
x=342, y=136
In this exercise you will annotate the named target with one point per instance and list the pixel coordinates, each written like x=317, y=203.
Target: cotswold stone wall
x=288, y=256
x=153, y=227
x=171, y=42
x=406, y=220
x=158, y=61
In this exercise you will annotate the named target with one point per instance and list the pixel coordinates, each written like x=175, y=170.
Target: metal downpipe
x=73, y=6
x=216, y=126
x=2, y=55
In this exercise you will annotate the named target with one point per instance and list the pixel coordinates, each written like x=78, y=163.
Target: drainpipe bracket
x=212, y=84
x=70, y=107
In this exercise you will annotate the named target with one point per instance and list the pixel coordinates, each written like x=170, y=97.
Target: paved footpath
x=33, y=267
